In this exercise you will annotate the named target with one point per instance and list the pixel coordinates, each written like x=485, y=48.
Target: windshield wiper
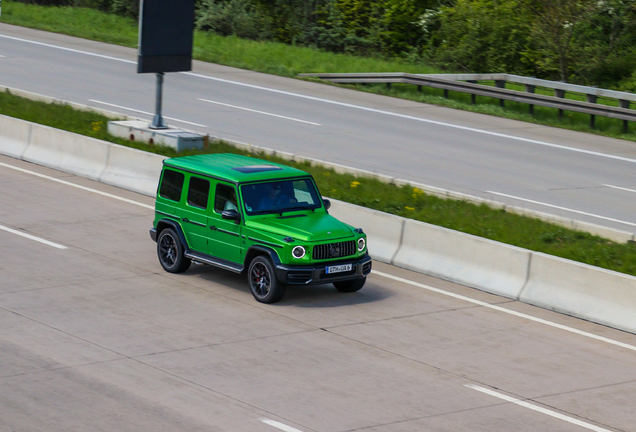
x=288, y=209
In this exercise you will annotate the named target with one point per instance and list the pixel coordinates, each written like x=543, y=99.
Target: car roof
x=233, y=167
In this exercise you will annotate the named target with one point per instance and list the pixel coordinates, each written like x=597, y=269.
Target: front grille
x=334, y=250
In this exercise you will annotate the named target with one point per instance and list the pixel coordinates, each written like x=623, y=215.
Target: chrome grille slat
x=323, y=251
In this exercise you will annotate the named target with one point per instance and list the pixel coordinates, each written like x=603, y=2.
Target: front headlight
x=361, y=244
x=298, y=252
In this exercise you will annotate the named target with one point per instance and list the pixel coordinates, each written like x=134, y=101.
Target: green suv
x=241, y=213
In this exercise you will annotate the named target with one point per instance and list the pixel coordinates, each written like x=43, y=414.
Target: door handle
x=213, y=228
x=186, y=220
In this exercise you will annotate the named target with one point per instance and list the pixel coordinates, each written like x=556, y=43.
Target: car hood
x=312, y=227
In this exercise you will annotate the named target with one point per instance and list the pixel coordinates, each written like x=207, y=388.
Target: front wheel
x=170, y=252
x=351, y=285
x=264, y=285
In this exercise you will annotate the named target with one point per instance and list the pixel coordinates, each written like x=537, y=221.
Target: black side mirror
x=231, y=215
x=327, y=203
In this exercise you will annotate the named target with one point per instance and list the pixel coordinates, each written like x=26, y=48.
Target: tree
x=555, y=26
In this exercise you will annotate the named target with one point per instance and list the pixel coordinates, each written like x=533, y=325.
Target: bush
x=233, y=17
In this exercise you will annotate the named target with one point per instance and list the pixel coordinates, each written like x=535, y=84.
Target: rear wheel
x=170, y=252
x=352, y=285
x=263, y=283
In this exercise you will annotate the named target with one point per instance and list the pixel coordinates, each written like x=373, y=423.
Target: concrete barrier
x=384, y=231
x=581, y=290
x=69, y=152
x=469, y=260
x=14, y=136
x=132, y=169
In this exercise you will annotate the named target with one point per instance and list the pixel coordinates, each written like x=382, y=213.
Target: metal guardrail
x=468, y=83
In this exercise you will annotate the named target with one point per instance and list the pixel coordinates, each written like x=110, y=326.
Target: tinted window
x=225, y=198
x=171, y=185
x=198, y=192
x=280, y=196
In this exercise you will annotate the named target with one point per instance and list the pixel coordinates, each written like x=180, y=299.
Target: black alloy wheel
x=263, y=283
x=170, y=252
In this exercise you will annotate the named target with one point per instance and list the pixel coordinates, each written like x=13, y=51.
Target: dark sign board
x=165, y=36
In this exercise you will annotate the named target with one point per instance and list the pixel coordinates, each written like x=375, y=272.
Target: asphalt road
x=576, y=175
x=95, y=336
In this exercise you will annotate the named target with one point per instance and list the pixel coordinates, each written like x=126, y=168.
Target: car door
x=194, y=214
x=225, y=238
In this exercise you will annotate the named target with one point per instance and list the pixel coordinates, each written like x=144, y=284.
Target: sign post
x=165, y=43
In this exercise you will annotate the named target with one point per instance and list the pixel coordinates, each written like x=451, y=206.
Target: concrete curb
x=565, y=286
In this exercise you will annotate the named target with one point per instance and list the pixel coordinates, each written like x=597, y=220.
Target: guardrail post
x=500, y=84
x=473, y=96
x=446, y=93
x=624, y=104
x=388, y=86
x=419, y=89
x=530, y=89
x=591, y=99
x=560, y=94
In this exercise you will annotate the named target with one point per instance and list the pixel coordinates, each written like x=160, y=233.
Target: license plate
x=339, y=268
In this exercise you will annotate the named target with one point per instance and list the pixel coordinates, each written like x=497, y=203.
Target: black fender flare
x=169, y=223
x=258, y=249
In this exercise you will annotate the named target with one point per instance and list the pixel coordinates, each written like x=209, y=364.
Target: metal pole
x=157, y=121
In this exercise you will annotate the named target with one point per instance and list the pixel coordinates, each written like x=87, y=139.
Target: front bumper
x=316, y=274
x=153, y=234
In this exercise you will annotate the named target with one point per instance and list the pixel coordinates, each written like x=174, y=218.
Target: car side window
x=225, y=198
x=171, y=185
x=198, y=192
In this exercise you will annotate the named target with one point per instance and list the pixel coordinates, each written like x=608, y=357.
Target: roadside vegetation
x=292, y=37
x=406, y=201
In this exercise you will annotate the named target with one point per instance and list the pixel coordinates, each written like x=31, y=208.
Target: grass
x=405, y=201
x=289, y=61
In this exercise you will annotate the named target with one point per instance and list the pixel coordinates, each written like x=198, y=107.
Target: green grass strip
x=289, y=61
x=406, y=201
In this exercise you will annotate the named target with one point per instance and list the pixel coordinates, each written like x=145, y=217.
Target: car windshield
x=280, y=196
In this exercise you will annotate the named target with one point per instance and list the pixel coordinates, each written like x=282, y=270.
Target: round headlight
x=298, y=252
x=361, y=244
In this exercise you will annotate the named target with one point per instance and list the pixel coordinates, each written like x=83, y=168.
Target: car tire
x=265, y=286
x=170, y=252
x=351, y=285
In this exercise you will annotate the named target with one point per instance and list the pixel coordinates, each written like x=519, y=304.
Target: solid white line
x=95, y=191
x=507, y=311
x=260, y=112
x=68, y=49
x=32, y=237
x=279, y=425
x=332, y=102
x=621, y=188
x=564, y=208
x=537, y=408
x=144, y=112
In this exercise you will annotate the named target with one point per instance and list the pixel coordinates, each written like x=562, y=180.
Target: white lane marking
x=537, y=408
x=32, y=237
x=68, y=49
x=279, y=425
x=621, y=188
x=507, y=311
x=404, y=116
x=260, y=112
x=2, y=56
x=564, y=208
x=95, y=191
x=147, y=113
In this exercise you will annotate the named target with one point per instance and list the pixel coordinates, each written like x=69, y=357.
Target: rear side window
x=198, y=192
x=171, y=185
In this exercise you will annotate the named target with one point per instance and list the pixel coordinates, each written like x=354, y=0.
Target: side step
x=199, y=257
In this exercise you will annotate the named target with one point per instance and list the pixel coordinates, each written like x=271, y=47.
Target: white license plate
x=339, y=268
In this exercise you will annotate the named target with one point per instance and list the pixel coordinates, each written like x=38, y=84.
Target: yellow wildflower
x=354, y=184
